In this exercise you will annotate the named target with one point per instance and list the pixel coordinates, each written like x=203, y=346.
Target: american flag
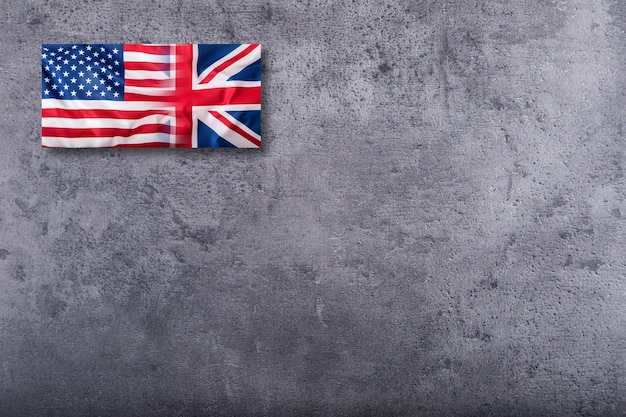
x=138, y=95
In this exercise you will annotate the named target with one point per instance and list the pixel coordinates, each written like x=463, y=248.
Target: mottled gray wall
x=435, y=226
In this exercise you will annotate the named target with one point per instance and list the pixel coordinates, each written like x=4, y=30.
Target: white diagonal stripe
x=219, y=62
x=237, y=67
x=225, y=132
x=233, y=69
x=240, y=125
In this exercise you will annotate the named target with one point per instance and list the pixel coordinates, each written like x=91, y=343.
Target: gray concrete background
x=435, y=226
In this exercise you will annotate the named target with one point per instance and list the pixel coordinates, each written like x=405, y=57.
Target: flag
x=137, y=95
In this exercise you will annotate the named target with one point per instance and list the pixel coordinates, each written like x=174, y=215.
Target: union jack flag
x=137, y=95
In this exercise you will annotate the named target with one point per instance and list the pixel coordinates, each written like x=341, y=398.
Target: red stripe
x=102, y=132
x=236, y=128
x=148, y=66
x=101, y=114
x=184, y=106
x=148, y=49
x=228, y=63
x=147, y=83
x=209, y=97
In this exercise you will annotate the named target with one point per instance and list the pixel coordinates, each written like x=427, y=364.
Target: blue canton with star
x=82, y=72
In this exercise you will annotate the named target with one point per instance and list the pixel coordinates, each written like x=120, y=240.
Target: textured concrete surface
x=435, y=226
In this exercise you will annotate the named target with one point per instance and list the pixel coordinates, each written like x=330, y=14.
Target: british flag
x=138, y=95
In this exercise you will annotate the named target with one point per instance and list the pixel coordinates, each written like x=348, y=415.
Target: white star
x=60, y=49
x=47, y=68
x=46, y=91
x=74, y=46
x=101, y=81
x=88, y=67
x=73, y=56
x=102, y=48
x=65, y=74
x=110, y=77
x=116, y=62
x=116, y=83
x=73, y=93
x=81, y=52
x=60, y=80
x=81, y=87
x=95, y=87
x=95, y=54
x=109, y=88
x=108, y=56
x=109, y=67
x=51, y=62
x=66, y=86
x=66, y=61
x=47, y=79
x=102, y=93
x=95, y=75
x=88, y=58
x=54, y=86
x=67, y=52
x=81, y=62
x=96, y=63
x=115, y=50
x=80, y=74
x=58, y=68
x=73, y=67
x=73, y=80
x=116, y=94
x=52, y=53
x=88, y=80
x=102, y=60
x=59, y=58
x=43, y=56
x=61, y=93
x=54, y=74
x=88, y=93
x=117, y=73
x=103, y=69
x=88, y=47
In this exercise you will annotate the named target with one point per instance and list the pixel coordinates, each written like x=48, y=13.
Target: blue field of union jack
x=147, y=95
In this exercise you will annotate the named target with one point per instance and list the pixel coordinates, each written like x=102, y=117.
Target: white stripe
x=222, y=130
x=240, y=125
x=228, y=107
x=55, y=142
x=149, y=91
x=224, y=83
x=194, y=126
x=147, y=75
x=143, y=57
x=71, y=123
x=194, y=66
x=52, y=103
